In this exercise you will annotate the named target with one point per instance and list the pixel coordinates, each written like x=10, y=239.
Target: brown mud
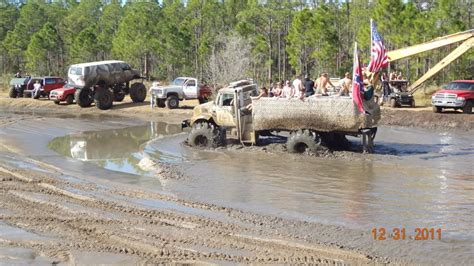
x=55, y=209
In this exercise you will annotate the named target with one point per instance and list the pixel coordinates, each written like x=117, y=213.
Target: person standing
x=308, y=86
x=323, y=82
x=288, y=91
x=385, y=87
x=298, y=87
x=346, y=85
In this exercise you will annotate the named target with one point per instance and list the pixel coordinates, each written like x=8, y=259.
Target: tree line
x=270, y=39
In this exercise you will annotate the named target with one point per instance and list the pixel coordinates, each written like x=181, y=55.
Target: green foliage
x=41, y=51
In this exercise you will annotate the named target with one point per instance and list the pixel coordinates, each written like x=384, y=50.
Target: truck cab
x=457, y=95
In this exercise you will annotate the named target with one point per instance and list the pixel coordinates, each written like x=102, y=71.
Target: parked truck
x=457, y=95
x=309, y=123
x=182, y=88
x=20, y=87
x=104, y=82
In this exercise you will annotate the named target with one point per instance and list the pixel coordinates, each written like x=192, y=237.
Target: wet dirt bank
x=408, y=117
x=225, y=213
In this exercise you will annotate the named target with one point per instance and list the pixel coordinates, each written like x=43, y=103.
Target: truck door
x=190, y=89
x=225, y=114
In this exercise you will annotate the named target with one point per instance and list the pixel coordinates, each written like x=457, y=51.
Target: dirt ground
x=408, y=117
x=48, y=215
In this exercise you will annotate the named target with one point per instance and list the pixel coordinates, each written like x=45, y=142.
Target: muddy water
x=416, y=179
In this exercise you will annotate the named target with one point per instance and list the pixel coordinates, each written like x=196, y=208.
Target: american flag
x=357, y=82
x=378, y=54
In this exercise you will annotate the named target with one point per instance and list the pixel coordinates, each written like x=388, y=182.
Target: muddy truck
x=316, y=121
x=104, y=82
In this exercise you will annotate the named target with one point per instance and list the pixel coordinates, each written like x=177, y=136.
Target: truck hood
x=459, y=93
x=169, y=87
x=63, y=89
x=203, y=108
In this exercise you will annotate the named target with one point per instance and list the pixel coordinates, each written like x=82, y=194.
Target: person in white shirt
x=288, y=91
x=36, y=88
x=298, y=87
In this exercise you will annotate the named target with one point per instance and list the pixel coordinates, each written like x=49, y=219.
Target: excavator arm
x=467, y=37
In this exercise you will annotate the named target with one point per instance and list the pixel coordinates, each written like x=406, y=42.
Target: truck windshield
x=178, y=82
x=75, y=71
x=464, y=86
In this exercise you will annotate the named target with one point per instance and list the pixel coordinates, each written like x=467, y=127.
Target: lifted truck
x=182, y=88
x=310, y=123
x=104, y=82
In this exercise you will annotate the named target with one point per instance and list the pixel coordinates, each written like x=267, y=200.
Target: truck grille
x=445, y=96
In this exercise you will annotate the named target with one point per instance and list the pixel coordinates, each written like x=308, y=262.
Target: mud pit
x=139, y=195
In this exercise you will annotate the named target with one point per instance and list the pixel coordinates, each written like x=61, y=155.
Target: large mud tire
x=138, y=92
x=83, y=97
x=303, y=141
x=37, y=95
x=412, y=103
x=172, y=102
x=57, y=102
x=103, y=99
x=13, y=93
x=467, y=109
x=202, y=135
x=203, y=100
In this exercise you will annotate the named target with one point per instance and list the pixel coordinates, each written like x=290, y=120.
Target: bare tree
x=230, y=60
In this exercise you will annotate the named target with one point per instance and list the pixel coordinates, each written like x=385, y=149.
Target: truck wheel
x=138, y=92
x=412, y=104
x=13, y=93
x=202, y=135
x=37, y=95
x=70, y=99
x=437, y=109
x=103, y=99
x=393, y=103
x=83, y=97
x=172, y=102
x=161, y=103
x=56, y=102
x=302, y=141
x=119, y=96
x=467, y=107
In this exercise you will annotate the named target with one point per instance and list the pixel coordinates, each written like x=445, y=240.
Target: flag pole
x=371, y=37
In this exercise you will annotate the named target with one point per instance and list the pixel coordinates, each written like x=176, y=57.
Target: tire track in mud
x=87, y=220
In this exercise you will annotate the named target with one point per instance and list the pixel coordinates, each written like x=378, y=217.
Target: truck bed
x=324, y=114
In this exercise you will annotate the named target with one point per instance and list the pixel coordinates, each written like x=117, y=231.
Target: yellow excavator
x=466, y=38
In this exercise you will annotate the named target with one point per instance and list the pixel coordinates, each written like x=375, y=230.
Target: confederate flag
x=357, y=82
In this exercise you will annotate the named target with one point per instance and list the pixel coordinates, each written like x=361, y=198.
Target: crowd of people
x=301, y=89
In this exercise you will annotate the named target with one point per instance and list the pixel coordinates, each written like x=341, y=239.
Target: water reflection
x=114, y=149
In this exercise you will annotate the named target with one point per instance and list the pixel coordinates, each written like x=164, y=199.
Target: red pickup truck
x=458, y=94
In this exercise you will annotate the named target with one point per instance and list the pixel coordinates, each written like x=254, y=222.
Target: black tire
x=437, y=109
x=412, y=104
x=119, y=96
x=203, y=135
x=13, y=93
x=393, y=103
x=203, y=100
x=138, y=92
x=83, y=97
x=303, y=141
x=103, y=99
x=70, y=99
x=467, y=109
x=37, y=95
x=56, y=102
x=172, y=102
x=161, y=103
